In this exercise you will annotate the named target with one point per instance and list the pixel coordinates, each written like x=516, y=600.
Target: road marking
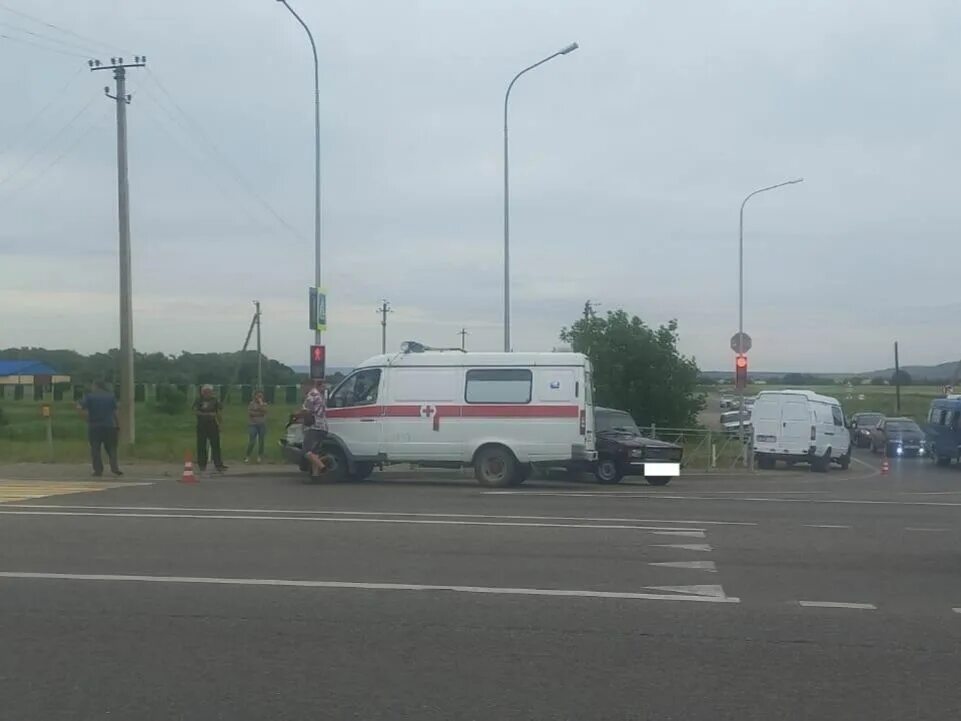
x=822, y=525
x=367, y=586
x=690, y=565
x=838, y=604
x=685, y=546
x=956, y=610
x=341, y=519
x=928, y=530
x=325, y=512
x=12, y=491
x=686, y=534
x=714, y=591
x=762, y=499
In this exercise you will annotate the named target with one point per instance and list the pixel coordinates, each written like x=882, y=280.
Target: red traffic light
x=741, y=361
x=318, y=361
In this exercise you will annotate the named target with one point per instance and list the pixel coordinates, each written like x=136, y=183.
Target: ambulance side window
x=359, y=389
x=499, y=385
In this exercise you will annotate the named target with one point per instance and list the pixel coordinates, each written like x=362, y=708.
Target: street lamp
x=313, y=47
x=740, y=301
x=507, y=255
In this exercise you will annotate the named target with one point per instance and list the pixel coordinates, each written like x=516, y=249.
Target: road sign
x=740, y=342
x=317, y=309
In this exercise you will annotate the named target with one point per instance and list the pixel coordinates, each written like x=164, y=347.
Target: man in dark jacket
x=99, y=407
x=207, y=408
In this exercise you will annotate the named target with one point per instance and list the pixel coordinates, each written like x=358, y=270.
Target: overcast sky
x=629, y=160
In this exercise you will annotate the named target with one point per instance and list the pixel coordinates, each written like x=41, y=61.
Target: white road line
x=701, y=590
x=838, y=604
x=956, y=610
x=928, y=530
x=326, y=512
x=340, y=519
x=685, y=546
x=762, y=499
x=685, y=534
x=690, y=565
x=367, y=586
x=822, y=525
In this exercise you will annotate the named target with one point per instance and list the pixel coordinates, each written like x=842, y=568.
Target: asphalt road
x=787, y=595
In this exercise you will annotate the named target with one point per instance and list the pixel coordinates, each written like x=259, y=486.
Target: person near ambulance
x=314, y=416
x=208, y=410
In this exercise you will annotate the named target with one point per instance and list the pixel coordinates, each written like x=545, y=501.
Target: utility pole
x=384, y=310
x=897, y=380
x=128, y=432
x=463, y=338
x=260, y=355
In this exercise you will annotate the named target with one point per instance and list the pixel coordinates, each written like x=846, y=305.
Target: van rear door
x=796, y=420
x=766, y=420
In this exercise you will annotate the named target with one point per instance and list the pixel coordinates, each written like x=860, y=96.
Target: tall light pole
x=313, y=48
x=740, y=302
x=507, y=224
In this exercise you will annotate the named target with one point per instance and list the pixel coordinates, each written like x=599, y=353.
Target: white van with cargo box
x=497, y=412
x=799, y=426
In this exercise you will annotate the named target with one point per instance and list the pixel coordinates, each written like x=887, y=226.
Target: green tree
x=901, y=375
x=638, y=368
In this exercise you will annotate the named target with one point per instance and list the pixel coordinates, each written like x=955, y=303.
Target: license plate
x=767, y=439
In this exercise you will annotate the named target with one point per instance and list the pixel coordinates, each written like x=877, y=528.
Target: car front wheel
x=608, y=472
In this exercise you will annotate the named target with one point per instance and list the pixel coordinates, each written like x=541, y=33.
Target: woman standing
x=256, y=426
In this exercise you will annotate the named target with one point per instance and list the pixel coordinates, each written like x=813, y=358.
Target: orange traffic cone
x=188, y=476
x=884, y=466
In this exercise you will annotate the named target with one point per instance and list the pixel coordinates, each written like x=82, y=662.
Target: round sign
x=740, y=342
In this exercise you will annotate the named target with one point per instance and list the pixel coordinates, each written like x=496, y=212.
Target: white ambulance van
x=497, y=412
x=800, y=426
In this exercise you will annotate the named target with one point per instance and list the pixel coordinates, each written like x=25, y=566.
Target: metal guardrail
x=704, y=450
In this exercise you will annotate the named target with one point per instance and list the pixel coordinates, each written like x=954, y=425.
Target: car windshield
x=867, y=419
x=616, y=422
x=903, y=426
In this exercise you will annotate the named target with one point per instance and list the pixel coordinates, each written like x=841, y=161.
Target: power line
x=69, y=45
x=29, y=125
x=44, y=47
x=192, y=154
x=56, y=161
x=219, y=156
x=66, y=31
x=44, y=146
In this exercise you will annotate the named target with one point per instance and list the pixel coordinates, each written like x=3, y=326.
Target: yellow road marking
x=11, y=491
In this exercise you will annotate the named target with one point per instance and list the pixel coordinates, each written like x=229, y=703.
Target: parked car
x=943, y=429
x=800, y=426
x=728, y=402
x=861, y=426
x=898, y=437
x=496, y=412
x=623, y=451
x=731, y=425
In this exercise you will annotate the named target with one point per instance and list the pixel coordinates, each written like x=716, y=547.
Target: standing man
x=314, y=415
x=99, y=408
x=207, y=408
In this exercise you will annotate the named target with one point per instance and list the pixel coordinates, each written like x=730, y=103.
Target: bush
x=171, y=400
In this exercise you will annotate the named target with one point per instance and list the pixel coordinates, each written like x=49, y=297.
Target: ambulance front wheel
x=495, y=466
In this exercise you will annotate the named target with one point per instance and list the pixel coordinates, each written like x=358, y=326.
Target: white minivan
x=799, y=426
x=497, y=412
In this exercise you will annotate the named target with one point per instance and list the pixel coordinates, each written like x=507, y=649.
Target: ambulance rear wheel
x=495, y=466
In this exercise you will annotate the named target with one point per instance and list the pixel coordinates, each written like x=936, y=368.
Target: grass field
x=160, y=437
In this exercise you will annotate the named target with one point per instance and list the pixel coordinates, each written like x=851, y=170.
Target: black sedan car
x=623, y=451
x=862, y=425
x=898, y=437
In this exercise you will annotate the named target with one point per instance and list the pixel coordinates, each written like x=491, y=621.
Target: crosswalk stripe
x=13, y=491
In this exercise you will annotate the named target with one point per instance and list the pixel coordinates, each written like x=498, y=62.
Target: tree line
x=183, y=369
